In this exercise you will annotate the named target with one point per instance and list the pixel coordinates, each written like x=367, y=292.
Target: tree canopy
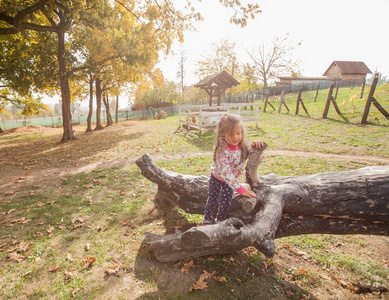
x=46, y=44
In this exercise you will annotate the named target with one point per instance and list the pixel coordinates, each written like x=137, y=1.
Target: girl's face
x=234, y=137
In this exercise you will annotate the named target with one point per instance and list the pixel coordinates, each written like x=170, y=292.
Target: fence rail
x=56, y=121
x=292, y=88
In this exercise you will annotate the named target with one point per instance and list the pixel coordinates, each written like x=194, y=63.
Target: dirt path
x=42, y=174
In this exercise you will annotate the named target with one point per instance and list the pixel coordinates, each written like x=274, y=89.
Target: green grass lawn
x=69, y=230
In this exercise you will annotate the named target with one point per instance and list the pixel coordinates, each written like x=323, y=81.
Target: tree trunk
x=106, y=104
x=99, y=93
x=349, y=202
x=68, y=133
x=117, y=109
x=90, y=113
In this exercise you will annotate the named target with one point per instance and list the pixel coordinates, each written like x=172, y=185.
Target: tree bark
x=68, y=133
x=117, y=109
x=99, y=93
x=348, y=202
x=90, y=113
x=106, y=104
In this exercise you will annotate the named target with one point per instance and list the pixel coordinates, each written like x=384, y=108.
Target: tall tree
x=181, y=71
x=28, y=17
x=275, y=59
x=222, y=58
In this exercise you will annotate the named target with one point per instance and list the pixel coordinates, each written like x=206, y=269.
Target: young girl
x=230, y=153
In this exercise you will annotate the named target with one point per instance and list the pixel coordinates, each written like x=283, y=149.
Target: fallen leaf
x=112, y=269
x=198, y=285
x=88, y=262
x=23, y=246
x=186, y=267
x=11, y=211
x=13, y=256
x=27, y=273
x=21, y=220
x=54, y=269
x=78, y=220
x=38, y=234
x=50, y=231
x=75, y=291
x=68, y=275
x=207, y=275
x=69, y=257
x=220, y=278
x=268, y=262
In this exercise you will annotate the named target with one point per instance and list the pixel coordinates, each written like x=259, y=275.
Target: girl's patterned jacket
x=228, y=166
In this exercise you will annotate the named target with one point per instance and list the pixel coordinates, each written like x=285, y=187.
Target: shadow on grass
x=246, y=277
x=48, y=152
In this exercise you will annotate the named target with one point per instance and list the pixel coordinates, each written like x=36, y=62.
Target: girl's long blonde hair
x=226, y=124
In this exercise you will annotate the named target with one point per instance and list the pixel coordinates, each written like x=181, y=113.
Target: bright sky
x=350, y=30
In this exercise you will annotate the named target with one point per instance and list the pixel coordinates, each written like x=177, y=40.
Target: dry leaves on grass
x=12, y=222
x=187, y=266
x=75, y=291
x=67, y=276
x=16, y=249
x=296, y=251
x=13, y=256
x=87, y=246
x=50, y=231
x=88, y=262
x=114, y=269
x=54, y=269
x=200, y=284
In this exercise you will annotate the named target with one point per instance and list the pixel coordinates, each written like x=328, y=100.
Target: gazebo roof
x=222, y=80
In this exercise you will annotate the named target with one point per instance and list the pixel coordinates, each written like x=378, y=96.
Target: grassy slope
x=109, y=208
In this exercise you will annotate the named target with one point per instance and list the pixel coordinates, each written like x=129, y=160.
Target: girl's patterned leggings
x=219, y=194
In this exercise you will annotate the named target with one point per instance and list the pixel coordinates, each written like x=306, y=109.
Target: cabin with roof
x=347, y=71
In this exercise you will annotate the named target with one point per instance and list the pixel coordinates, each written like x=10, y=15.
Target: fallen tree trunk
x=349, y=202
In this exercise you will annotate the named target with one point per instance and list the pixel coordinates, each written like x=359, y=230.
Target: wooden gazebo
x=216, y=85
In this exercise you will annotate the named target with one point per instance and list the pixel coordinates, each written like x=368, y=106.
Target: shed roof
x=350, y=67
x=223, y=80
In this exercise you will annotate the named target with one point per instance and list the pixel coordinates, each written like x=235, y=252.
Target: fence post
x=317, y=91
x=282, y=101
x=337, y=90
x=362, y=88
x=329, y=98
x=300, y=100
x=371, y=100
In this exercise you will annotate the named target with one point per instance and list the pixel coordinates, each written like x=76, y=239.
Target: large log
x=348, y=202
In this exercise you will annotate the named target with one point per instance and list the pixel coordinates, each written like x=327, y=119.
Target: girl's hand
x=257, y=144
x=249, y=193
